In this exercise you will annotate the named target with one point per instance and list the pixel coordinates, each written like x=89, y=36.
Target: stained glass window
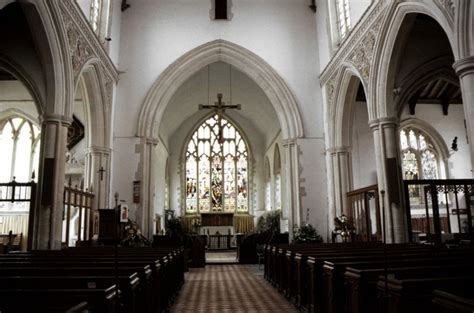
x=419, y=157
x=19, y=143
x=216, y=169
x=343, y=17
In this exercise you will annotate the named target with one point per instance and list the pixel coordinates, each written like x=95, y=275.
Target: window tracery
x=343, y=17
x=216, y=169
x=19, y=143
x=96, y=6
x=419, y=159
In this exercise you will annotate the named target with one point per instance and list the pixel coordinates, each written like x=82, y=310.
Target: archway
x=416, y=81
x=271, y=87
x=253, y=66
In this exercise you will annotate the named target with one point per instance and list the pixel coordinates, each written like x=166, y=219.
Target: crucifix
x=101, y=173
x=220, y=107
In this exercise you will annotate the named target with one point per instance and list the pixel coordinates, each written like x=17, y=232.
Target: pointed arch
x=342, y=112
x=279, y=94
x=435, y=137
x=386, y=46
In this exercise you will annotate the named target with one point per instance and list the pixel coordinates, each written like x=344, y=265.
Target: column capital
x=152, y=141
x=289, y=142
x=464, y=66
x=56, y=119
x=340, y=149
x=99, y=150
x=383, y=122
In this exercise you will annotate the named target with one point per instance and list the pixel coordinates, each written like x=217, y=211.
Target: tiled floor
x=229, y=288
x=221, y=257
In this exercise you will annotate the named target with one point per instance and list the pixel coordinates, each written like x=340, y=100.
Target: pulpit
x=109, y=226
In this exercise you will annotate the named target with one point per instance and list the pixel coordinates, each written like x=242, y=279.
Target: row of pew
x=91, y=279
x=373, y=277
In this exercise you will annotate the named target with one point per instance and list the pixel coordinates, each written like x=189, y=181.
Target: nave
x=229, y=288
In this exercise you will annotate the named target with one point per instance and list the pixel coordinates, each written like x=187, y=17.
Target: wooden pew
x=361, y=284
x=459, y=301
x=100, y=262
x=414, y=294
x=100, y=300
x=82, y=307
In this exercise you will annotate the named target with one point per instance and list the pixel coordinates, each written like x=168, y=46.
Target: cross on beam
x=219, y=105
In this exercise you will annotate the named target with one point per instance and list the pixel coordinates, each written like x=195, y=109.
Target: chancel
x=236, y=155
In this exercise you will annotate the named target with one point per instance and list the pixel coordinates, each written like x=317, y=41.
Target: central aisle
x=229, y=288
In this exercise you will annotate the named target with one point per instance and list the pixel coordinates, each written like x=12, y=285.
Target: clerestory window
x=343, y=17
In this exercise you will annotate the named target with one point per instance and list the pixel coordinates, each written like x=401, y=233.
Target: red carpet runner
x=229, y=288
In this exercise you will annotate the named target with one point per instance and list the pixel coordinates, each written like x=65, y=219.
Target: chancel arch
x=277, y=94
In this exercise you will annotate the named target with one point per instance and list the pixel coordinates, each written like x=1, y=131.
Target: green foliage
x=306, y=233
x=269, y=223
x=175, y=229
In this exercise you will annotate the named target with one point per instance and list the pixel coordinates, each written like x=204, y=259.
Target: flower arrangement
x=345, y=225
x=132, y=236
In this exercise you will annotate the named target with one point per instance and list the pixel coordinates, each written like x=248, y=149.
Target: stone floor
x=229, y=288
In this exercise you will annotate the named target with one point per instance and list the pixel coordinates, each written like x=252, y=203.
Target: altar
x=219, y=229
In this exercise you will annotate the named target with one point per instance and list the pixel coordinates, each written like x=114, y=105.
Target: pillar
x=48, y=211
x=342, y=179
x=145, y=208
x=389, y=177
x=293, y=201
x=465, y=69
x=97, y=177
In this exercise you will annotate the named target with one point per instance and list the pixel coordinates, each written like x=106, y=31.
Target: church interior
x=236, y=156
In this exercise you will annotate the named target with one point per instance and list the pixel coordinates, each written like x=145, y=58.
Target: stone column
x=147, y=183
x=48, y=211
x=389, y=176
x=342, y=178
x=293, y=201
x=97, y=177
x=465, y=69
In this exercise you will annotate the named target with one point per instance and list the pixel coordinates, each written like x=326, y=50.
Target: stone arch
x=343, y=109
x=279, y=94
x=383, y=106
x=19, y=73
x=95, y=103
